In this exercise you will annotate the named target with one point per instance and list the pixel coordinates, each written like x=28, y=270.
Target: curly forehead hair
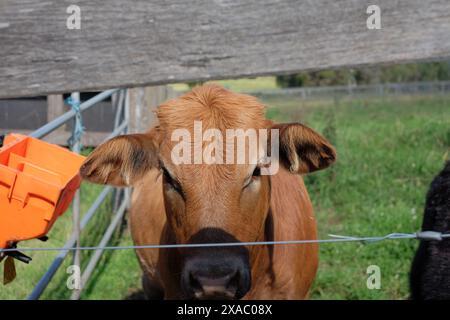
x=215, y=106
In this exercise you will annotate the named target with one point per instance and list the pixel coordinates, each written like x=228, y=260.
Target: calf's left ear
x=302, y=150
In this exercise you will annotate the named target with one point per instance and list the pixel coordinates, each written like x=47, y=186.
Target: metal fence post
x=119, y=199
x=75, y=143
x=76, y=147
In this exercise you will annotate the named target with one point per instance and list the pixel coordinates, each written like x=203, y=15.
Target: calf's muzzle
x=215, y=272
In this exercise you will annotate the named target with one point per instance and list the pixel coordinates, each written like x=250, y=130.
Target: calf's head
x=207, y=197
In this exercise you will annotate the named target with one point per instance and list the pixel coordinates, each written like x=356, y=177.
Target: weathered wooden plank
x=143, y=42
x=143, y=104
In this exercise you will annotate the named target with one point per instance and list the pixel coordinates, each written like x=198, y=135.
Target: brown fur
x=271, y=208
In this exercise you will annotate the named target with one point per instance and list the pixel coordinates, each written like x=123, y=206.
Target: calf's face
x=215, y=203
x=209, y=203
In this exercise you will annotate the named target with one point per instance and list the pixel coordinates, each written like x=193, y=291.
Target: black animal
x=430, y=272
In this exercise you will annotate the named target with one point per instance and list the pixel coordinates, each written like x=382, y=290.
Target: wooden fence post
x=143, y=103
x=55, y=108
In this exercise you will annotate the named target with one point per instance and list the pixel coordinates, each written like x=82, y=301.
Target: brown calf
x=199, y=203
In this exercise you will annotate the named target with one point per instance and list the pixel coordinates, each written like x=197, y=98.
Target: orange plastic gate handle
x=37, y=183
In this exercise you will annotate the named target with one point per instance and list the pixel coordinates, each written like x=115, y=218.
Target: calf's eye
x=255, y=176
x=171, y=181
x=256, y=172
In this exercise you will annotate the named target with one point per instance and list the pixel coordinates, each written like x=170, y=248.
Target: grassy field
x=388, y=152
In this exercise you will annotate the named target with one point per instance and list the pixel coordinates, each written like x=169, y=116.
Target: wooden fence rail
x=149, y=42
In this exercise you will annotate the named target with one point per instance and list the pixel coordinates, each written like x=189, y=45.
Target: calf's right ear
x=121, y=161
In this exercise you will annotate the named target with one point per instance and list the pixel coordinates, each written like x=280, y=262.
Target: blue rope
x=78, y=128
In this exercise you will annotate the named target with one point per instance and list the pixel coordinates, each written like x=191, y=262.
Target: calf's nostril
x=194, y=283
x=224, y=286
x=233, y=283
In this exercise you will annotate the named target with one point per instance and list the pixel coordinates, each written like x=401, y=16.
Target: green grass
x=388, y=152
